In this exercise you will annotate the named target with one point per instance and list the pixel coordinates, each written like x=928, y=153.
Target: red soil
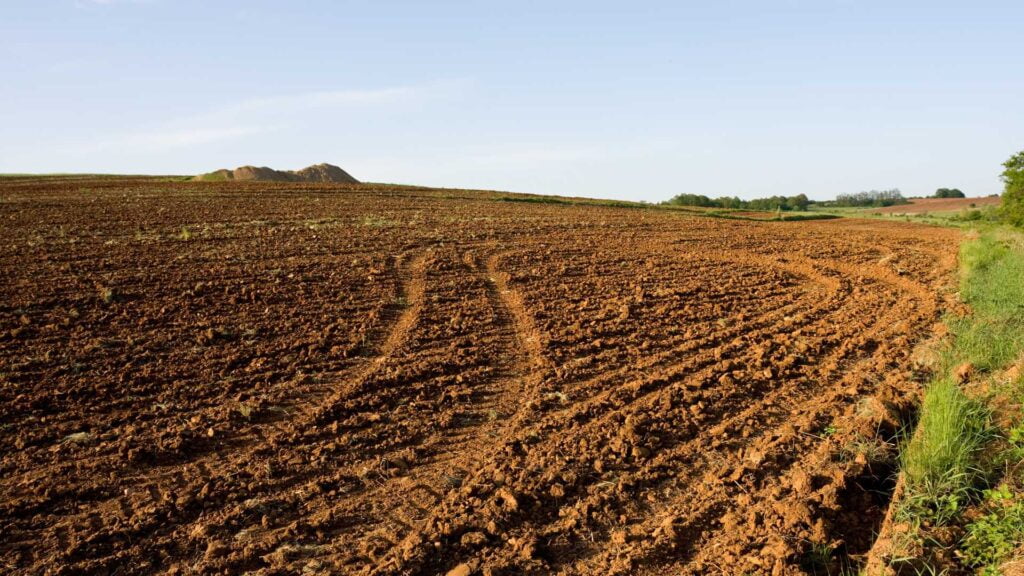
x=922, y=205
x=367, y=380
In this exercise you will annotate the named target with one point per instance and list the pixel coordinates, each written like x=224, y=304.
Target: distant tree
x=729, y=202
x=949, y=193
x=692, y=200
x=798, y=202
x=1013, y=194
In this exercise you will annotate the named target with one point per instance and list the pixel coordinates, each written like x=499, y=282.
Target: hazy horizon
x=579, y=99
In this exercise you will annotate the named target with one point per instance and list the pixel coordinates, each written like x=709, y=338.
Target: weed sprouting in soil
x=375, y=221
x=246, y=410
x=818, y=559
x=873, y=450
x=108, y=295
x=823, y=559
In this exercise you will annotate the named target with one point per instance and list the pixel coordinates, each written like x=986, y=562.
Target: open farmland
x=302, y=378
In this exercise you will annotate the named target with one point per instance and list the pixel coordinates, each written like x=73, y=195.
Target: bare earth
x=321, y=379
x=922, y=205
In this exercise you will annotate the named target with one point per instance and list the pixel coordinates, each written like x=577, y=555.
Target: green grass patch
x=775, y=216
x=992, y=283
x=539, y=199
x=941, y=463
x=967, y=443
x=535, y=199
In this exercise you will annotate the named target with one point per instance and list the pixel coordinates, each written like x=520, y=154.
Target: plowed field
x=284, y=379
x=925, y=205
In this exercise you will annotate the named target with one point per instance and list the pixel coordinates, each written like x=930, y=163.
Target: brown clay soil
x=299, y=378
x=923, y=205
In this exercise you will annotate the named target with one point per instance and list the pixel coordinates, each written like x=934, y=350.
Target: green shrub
x=1013, y=195
x=994, y=537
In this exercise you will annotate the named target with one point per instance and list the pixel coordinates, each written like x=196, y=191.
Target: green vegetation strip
x=963, y=465
x=776, y=217
x=536, y=199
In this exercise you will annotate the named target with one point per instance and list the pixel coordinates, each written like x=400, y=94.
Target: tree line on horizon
x=1011, y=210
x=800, y=202
x=787, y=203
x=867, y=199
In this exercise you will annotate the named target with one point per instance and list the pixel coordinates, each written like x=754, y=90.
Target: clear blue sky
x=637, y=100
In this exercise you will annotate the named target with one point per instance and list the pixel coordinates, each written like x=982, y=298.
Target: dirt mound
x=261, y=173
x=315, y=173
x=325, y=173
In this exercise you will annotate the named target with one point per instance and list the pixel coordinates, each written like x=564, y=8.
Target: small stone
x=473, y=539
x=460, y=570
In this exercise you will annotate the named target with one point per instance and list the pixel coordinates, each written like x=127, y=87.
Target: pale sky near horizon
x=638, y=100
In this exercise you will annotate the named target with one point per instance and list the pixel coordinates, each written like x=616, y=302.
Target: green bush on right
x=1013, y=194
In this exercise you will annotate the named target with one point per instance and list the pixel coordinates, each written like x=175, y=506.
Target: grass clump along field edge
x=963, y=472
x=941, y=462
